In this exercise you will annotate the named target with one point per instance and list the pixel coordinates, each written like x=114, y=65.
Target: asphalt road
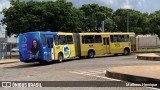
x=70, y=70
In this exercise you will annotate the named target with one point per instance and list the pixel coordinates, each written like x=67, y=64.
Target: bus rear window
x=43, y=37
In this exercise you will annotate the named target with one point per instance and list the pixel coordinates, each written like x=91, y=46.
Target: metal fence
x=148, y=41
x=3, y=51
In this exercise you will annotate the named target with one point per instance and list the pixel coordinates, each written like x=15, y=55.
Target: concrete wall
x=148, y=41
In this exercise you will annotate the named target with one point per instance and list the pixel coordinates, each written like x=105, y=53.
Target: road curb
x=8, y=61
x=130, y=78
x=141, y=57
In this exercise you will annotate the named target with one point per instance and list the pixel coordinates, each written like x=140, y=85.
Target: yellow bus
x=106, y=43
x=64, y=46
x=48, y=46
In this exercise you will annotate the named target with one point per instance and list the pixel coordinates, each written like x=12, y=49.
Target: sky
x=140, y=5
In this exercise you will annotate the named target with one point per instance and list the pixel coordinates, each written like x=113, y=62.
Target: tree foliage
x=93, y=15
x=135, y=19
x=60, y=15
x=155, y=23
x=41, y=16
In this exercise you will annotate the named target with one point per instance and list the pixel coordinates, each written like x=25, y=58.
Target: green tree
x=136, y=30
x=134, y=18
x=155, y=23
x=93, y=15
x=109, y=25
x=41, y=16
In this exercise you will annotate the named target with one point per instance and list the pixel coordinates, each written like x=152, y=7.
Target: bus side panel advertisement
x=29, y=46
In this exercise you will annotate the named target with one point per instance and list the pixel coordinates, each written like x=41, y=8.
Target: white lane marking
x=91, y=74
x=87, y=74
x=153, y=88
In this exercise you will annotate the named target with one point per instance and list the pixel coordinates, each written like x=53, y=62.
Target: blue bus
x=36, y=46
x=47, y=46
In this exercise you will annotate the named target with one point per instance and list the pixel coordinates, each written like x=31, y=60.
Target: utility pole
x=127, y=23
x=102, y=24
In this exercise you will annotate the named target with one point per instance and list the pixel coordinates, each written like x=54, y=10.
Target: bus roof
x=86, y=33
x=108, y=33
x=41, y=32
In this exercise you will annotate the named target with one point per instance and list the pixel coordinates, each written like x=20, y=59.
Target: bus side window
x=98, y=39
x=123, y=39
x=113, y=38
x=83, y=40
x=89, y=39
x=50, y=42
x=126, y=38
x=62, y=39
x=69, y=39
x=119, y=38
x=44, y=40
x=56, y=40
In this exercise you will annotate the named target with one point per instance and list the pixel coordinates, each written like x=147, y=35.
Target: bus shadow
x=25, y=65
x=102, y=56
x=36, y=64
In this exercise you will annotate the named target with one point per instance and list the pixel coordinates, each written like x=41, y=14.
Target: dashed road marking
x=93, y=73
x=90, y=74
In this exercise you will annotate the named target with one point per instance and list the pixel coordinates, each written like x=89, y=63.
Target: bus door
x=106, y=45
x=97, y=45
x=49, y=47
x=133, y=43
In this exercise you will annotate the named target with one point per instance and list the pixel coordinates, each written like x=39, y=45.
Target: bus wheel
x=43, y=62
x=91, y=54
x=82, y=57
x=126, y=51
x=60, y=57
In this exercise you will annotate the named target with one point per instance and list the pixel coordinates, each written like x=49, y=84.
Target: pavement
x=135, y=73
x=149, y=56
x=93, y=69
x=138, y=73
x=125, y=68
x=6, y=61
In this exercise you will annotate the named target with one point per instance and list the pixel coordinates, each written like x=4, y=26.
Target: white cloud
x=110, y=1
x=140, y=5
x=107, y=1
x=141, y=2
x=4, y=4
x=126, y=5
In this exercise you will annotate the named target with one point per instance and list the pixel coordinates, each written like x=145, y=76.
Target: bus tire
x=60, y=57
x=126, y=51
x=82, y=57
x=43, y=62
x=91, y=53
